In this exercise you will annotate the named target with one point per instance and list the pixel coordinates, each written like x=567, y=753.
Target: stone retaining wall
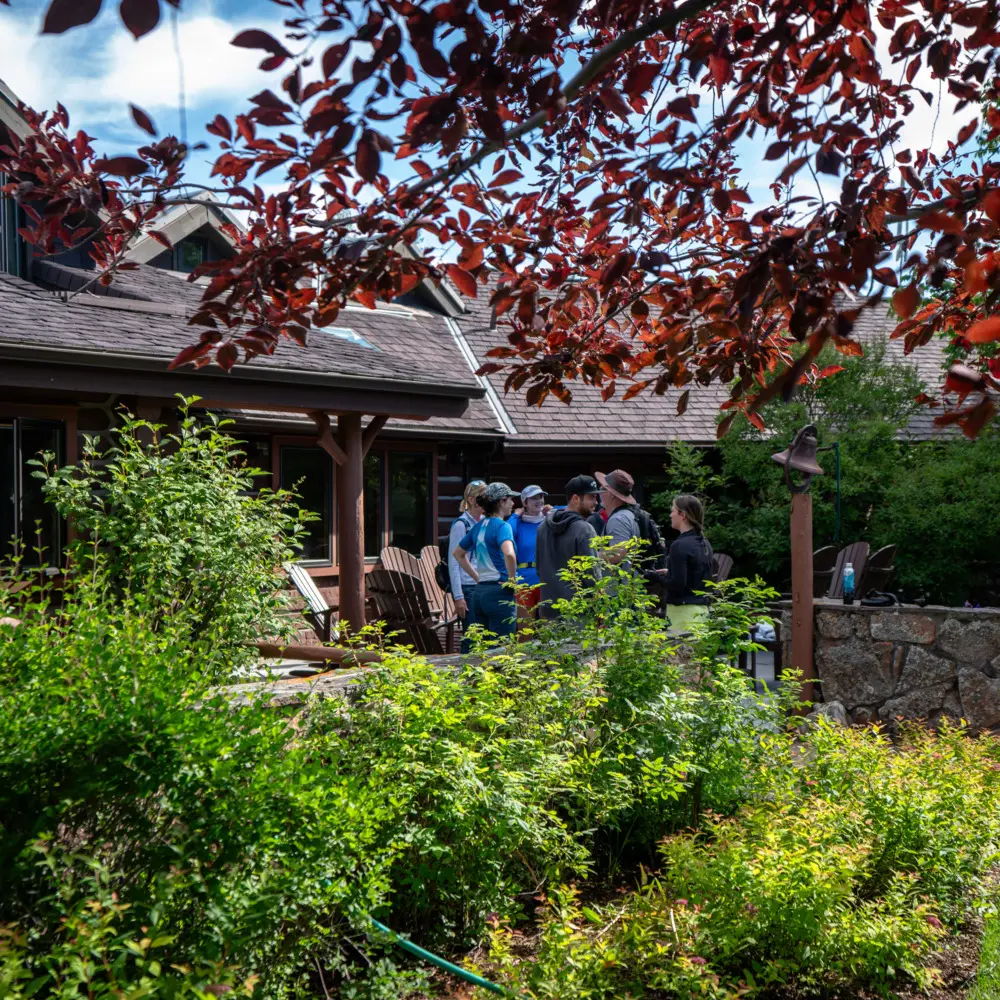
x=909, y=662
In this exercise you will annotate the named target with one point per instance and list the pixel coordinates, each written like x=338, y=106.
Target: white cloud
x=97, y=70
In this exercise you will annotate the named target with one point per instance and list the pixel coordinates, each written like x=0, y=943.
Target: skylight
x=345, y=333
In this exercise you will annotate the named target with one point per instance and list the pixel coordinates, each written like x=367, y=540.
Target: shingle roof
x=648, y=420
x=147, y=319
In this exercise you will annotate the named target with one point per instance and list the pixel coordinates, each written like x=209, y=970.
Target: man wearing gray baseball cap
x=493, y=561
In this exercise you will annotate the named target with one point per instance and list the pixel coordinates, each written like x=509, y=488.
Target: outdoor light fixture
x=800, y=456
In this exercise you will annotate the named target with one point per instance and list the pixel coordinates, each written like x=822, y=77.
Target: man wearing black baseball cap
x=562, y=535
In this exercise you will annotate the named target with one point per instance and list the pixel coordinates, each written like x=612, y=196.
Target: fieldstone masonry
x=907, y=662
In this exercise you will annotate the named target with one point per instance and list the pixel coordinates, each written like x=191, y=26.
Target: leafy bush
x=844, y=871
x=893, y=491
x=180, y=521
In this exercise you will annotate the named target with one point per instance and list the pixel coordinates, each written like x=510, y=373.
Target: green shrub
x=182, y=526
x=845, y=871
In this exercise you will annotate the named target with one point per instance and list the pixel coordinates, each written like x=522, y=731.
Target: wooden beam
x=802, y=592
x=351, y=523
x=326, y=440
x=371, y=432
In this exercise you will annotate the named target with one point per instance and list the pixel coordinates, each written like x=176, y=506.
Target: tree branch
x=663, y=22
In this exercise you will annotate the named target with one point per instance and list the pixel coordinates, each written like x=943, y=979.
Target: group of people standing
x=490, y=544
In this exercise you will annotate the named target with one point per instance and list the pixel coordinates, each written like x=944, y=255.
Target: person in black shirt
x=689, y=565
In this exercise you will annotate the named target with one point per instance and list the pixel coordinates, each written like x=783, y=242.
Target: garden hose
x=441, y=963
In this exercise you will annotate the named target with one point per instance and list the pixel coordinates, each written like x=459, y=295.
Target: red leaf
x=776, y=150
x=506, y=177
x=122, y=166
x=967, y=131
x=723, y=429
x=681, y=107
x=792, y=169
x=220, y=126
x=722, y=69
x=471, y=259
x=140, y=16
x=142, y=119
x=757, y=421
x=65, y=14
x=333, y=57
x=189, y=354
x=640, y=78
x=940, y=222
x=985, y=331
x=227, y=356
x=615, y=103
x=682, y=402
x=257, y=39
x=905, y=301
x=463, y=281
x=991, y=206
x=161, y=238
x=830, y=370
x=886, y=275
x=634, y=389
x=367, y=158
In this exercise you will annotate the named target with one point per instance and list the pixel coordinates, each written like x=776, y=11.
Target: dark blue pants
x=493, y=607
x=467, y=593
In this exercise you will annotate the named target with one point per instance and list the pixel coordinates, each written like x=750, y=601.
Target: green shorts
x=683, y=616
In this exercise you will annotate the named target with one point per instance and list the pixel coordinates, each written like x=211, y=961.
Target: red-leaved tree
x=597, y=156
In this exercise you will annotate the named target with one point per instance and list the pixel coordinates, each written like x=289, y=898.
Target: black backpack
x=649, y=530
x=441, y=575
x=655, y=556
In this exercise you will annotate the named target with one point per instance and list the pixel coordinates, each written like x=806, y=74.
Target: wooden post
x=351, y=521
x=802, y=591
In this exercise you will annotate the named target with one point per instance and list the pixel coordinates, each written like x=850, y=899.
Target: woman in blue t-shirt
x=493, y=561
x=525, y=528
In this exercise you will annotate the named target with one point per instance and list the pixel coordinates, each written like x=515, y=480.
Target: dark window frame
x=65, y=428
x=382, y=449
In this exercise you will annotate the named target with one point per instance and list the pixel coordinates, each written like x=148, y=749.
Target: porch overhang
x=245, y=387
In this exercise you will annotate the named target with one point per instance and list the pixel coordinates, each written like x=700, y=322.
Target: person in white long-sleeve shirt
x=462, y=585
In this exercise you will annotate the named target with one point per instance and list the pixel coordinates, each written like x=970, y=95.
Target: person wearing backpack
x=461, y=584
x=689, y=565
x=626, y=519
x=617, y=500
x=488, y=555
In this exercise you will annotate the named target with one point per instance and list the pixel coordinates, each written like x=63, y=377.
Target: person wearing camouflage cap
x=493, y=561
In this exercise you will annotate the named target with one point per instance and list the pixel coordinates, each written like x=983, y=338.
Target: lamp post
x=800, y=457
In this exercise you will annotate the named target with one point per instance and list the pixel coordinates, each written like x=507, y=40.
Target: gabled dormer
x=195, y=232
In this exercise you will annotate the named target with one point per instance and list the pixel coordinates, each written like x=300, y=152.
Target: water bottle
x=848, y=584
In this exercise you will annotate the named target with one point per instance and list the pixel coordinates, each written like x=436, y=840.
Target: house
x=409, y=420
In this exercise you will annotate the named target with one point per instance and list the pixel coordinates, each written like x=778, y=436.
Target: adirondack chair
x=399, y=600
x=857, y=555
x=440, y=601
x=317, y=612
x=877, y=570
x=722, y=566
x=824, y=560
x=399, y=560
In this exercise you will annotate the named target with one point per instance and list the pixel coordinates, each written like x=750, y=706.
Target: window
x=398, y=504
x=190, y=252
x=409, y=500
x=308, y=471
x=344, y=333
x=374, y=518
x=13, y=250
x=27, y=522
